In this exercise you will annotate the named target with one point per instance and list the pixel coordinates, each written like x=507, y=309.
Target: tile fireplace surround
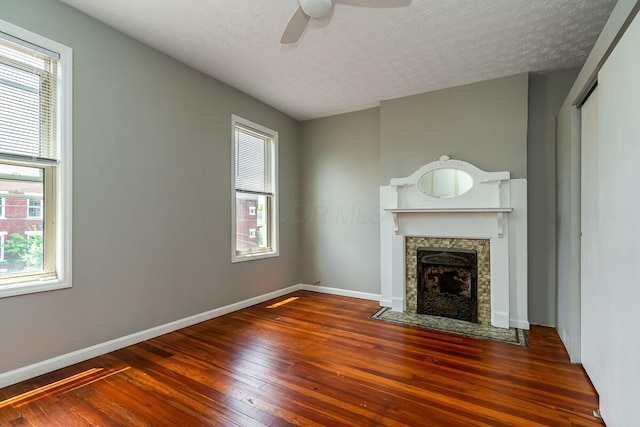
x=494, y=209
x=481, y=246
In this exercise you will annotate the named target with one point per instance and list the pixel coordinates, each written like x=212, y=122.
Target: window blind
x=28, y=101
x=253, y=161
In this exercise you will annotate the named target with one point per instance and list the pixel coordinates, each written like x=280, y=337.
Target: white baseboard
x=397, y=304
x=342, y=292
x=62, y=361
x=520, y=324
x=500, y=319
x=385, y=303
x=49, y=365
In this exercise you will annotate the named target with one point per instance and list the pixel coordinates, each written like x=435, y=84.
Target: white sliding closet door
x=610, y=291
x=592, y=293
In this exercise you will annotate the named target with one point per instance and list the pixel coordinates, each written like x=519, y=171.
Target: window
x=34, y=209
x=1, y=207
x=255, y=233
x=35, y=162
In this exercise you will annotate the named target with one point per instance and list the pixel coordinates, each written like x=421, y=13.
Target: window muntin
x=35, y=162
x=254, y=189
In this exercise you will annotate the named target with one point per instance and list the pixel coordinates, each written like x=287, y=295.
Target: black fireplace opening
x=448, y=283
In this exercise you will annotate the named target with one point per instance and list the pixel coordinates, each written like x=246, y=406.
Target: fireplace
x=481, y=247
x=448, y=283
x=490, y=218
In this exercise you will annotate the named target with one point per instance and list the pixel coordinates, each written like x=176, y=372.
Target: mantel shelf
x=499, y=211
x=448, y=210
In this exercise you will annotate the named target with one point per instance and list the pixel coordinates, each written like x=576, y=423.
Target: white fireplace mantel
x=498, y=211
x=494, y=208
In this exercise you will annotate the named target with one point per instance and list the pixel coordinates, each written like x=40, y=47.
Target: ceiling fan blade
x=376, y=3
x=295, y=27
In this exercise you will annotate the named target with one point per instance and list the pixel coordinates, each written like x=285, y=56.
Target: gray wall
x=339, y=214
x=152, y=195
x=547, y=91
x=483, y=123
x=345, y=158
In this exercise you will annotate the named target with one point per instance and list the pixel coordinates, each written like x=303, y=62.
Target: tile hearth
x=513, y=336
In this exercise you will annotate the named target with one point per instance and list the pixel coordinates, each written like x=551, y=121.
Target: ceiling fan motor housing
x=316, y=8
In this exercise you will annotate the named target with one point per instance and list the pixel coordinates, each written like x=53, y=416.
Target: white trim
x=33, y=38
x=385, y=302
x=448, y=210
x=522, y=324
x=64, y=234
x=341, y=292
x=495, y=208
x=43, y=285
x=2, y=235
x=500, y=319
x=26, y=372
x=64, y=179
x=397, y=304
x=49, y=365
x=274, y=220
x=251, y=257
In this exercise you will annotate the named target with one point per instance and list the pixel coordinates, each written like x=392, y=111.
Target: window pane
x=253, y=162
x=28, y=101
x=21, y=225
x=252, y=232
x=20, y=103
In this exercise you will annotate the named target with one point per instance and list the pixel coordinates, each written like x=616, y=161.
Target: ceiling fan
x=319, y=9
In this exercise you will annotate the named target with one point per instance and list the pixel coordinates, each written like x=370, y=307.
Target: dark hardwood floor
x=318, y=360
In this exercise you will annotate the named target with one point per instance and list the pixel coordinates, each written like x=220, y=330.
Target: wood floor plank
x=318, y=360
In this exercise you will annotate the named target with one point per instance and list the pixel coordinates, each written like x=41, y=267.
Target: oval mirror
x=445, y=183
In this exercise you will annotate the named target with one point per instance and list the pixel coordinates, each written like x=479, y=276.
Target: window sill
x=251, y=257
x=32, y=287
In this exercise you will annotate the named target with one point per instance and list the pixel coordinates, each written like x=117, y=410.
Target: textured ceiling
x=358, y=56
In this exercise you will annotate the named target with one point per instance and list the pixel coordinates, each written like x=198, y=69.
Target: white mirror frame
x=487, y=190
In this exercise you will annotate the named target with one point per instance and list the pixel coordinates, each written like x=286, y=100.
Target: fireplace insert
x=448, y=283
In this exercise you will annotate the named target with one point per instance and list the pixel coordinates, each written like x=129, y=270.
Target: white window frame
x=3, y=212
x=275, y=243
x=62, y=173
x=2, y=236
x=252, y=210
